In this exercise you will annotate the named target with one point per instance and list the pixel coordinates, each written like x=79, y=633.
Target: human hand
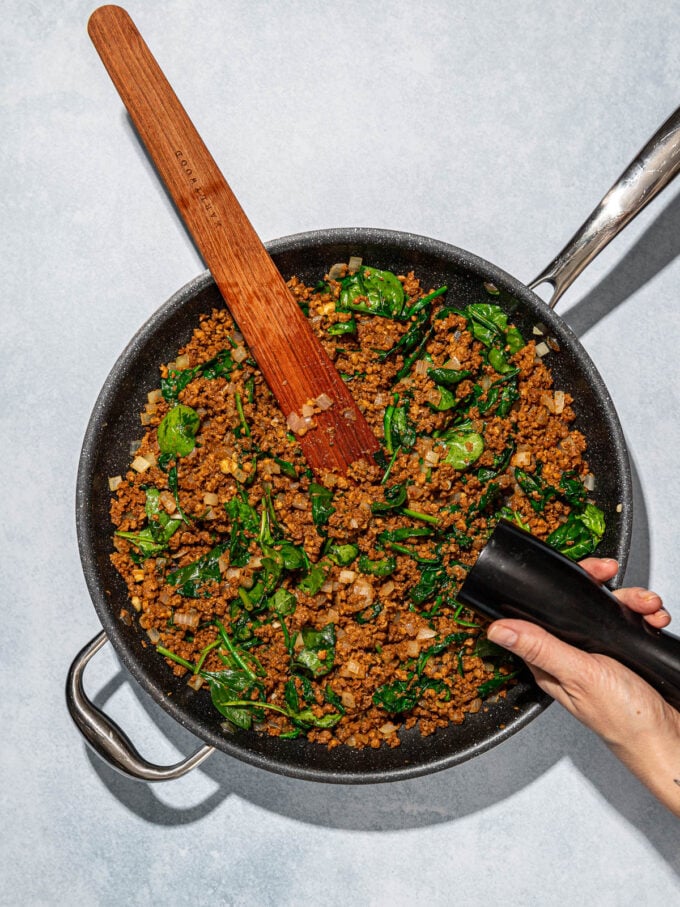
x=634, y=720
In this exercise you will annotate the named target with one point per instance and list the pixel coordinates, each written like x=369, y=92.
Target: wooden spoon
x=292, y=359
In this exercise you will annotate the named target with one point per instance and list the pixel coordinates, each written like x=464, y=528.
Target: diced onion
x=559, y=401
x=431, y=457
x=354, y=263
x=475, y=705
x=388, y=729
x=182, y=362
x=140, y=464
x=190, y=620
x=239, y=354
x=387, y=588
x=421, y=367
x=308, y=410
x=548, y=401
x=412, y=648
x=195, y=682
x=542, y=349
x=296, y=424
x=337, y=270
x=353, y=667
x=522, y=459
x=211, y=499
x=114, y=482
x=324, y=402
x=346, y=576
x=154, y=636
x=168, y=501
x=589, y=482
x=155, y=396
x=364, y=590
x=348, y=699
x=454, y=363
x=426, y=633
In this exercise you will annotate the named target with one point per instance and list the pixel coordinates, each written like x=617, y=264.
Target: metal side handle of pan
x=107, y=740
x=650, y=172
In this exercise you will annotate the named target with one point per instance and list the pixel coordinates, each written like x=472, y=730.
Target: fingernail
x=650, y=596
x=503, y=636
x=611, y=561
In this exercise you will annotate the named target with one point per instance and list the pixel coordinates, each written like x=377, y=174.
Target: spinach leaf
x=438, y=648
x=229, y=685
x=500, y=464
x=154, y=538
x=373, y=292
x=580, y=535
x=409, y=340
x=447, y=400
x=342, y=555
x=333, y=699
x=245, y=525
x=307, y=718
x=537, y=491
x=433, y=580
x=189, y=579
x=342, y=327
x=314, y=580
x=425, y=301
x=383, y=567
x=403, y=432
x=321, y=499
x=395, y=497
x=221, y=365
x=572, y=489
x=366, y=615
x=318, y=652
x=177, y=432
x=448, y=377
x=462, y=448
x=489, y=325
x=398, y=696
x=282, y=602
x=494, y=683
x=415, y=355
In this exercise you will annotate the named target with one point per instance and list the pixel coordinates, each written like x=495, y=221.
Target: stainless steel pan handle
x=104, y=735
x=651, y=170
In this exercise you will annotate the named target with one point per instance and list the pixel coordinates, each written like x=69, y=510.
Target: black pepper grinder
x=519, y=576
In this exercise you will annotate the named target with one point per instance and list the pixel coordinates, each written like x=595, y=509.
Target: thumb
x=539, y=649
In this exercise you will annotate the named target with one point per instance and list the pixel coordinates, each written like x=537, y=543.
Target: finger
x=539, y=648
x=659, y=619
x=600, y=568
x=638, y=599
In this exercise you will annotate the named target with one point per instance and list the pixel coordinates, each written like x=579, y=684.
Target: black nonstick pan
x=115, y=422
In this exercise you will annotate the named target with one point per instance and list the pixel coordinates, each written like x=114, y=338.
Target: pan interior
x=115, y=423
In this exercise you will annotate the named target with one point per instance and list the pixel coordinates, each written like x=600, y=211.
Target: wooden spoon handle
x=292, y=359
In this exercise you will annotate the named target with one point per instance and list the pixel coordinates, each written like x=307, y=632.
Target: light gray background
x=495, y=126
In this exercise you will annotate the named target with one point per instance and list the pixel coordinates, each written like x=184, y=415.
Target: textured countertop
x=494, y=126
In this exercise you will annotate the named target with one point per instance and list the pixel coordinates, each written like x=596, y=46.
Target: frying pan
x=114, y=423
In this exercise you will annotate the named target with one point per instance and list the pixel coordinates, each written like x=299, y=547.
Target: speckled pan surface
x=115, y=423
